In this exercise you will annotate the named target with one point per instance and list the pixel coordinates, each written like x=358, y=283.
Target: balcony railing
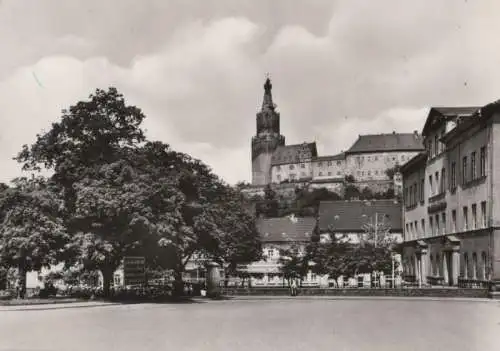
x=435, y=280
x=437, y=197
x=473, y=283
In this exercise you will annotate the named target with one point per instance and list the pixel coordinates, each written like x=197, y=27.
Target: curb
x=387, y=298
x=46, y=307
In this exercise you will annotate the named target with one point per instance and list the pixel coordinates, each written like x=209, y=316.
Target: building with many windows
x=451, y=199
x=367, y=160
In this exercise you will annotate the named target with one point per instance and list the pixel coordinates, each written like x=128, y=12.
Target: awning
x=453, y=239
x=421, y=243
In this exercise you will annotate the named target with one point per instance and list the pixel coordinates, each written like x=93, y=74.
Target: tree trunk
x=178, y=283
x=107, y=279
x=21, y=286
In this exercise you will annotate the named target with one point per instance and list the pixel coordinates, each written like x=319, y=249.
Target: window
x=443, y=220
x=279, y=177
x=474, y=216
x=302, y=165
x=453, y=221
x=436, y=175
x=338, y=173
x=302, y=174
x=329, y=163
x=376, y=158
x=473, y=173
x=474, y=266
x=453, y=183
x=431, y=189
x=407, y=231
x=291, y=167
x=270, y=252
x=339, y=163
x=484, y=264
x=415, y=224
x=443, y=180
x=436, y=145
x=369, y=173
x=437, y=223
x=329, y=173
x=292, y=176
x=466, y=265
x=430, y=147
x=415, y=193
x=431, y=226
x=278, y=168
x=483, y=214
x=422, y=189
x=320, y=174
x=482, y=162
x=466, y=217
x=422, y=227
x=464, y=170
x=320, y=164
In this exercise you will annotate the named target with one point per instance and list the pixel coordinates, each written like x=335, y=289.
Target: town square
x=236, y=175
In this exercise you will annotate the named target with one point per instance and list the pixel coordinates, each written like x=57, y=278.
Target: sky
x=339, y=68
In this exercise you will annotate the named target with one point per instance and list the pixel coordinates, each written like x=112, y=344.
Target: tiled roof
x=286, y=229
x=350, y=216
x=336, y=157
x=294, y=153
x=387, y=142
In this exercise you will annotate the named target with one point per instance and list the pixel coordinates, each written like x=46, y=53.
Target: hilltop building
x=367, y=161
x=451, y=199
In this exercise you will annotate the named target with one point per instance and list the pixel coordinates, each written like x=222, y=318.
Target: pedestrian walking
x=293, y=288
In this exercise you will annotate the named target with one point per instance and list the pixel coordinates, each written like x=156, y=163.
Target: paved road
x=301, y=324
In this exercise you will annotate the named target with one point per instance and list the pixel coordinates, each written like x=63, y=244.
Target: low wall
x=413, y=292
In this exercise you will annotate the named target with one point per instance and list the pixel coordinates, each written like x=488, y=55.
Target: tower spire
x=267, y=103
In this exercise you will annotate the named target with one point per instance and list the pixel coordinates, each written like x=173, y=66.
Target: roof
x=417, y=161
x=437, y=114
x=481, y=114
x=387, y=142
x=337, y=157
x=286, y=228
x=351, y=216
x=294, y=153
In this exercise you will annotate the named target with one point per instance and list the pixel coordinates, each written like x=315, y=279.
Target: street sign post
x=134, y=271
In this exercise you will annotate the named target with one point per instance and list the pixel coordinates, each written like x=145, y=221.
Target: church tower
x=267, y=140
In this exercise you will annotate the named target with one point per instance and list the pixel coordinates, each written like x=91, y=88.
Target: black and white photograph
x=249, y=175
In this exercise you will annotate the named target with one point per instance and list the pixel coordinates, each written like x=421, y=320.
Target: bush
x=6, y=295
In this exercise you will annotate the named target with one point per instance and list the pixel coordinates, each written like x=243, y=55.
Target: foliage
x=333, y=257
x=124, y=196
x=349, y=178
x=32, y=233
x=390, y=172
x=268, y=207
x=294, y=263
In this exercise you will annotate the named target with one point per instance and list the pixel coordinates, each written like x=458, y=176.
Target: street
x=274, y=324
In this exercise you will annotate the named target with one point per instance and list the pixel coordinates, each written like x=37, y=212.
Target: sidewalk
x=316, y=297
x=55, y=306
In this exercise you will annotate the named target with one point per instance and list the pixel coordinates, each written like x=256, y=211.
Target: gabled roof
x=294, y=153
x=387, y=142
x=351, y=216
x=418, y=161
x=286, y=229
x=337, y=157
x=441, y=114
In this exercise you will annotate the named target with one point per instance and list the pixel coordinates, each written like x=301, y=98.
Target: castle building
x=367, y=160
x=451, y=200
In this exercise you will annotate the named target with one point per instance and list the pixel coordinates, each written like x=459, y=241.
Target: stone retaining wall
x=415, y=292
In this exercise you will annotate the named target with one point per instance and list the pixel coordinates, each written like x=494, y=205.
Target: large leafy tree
x=32, y=233
x=332, y=257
